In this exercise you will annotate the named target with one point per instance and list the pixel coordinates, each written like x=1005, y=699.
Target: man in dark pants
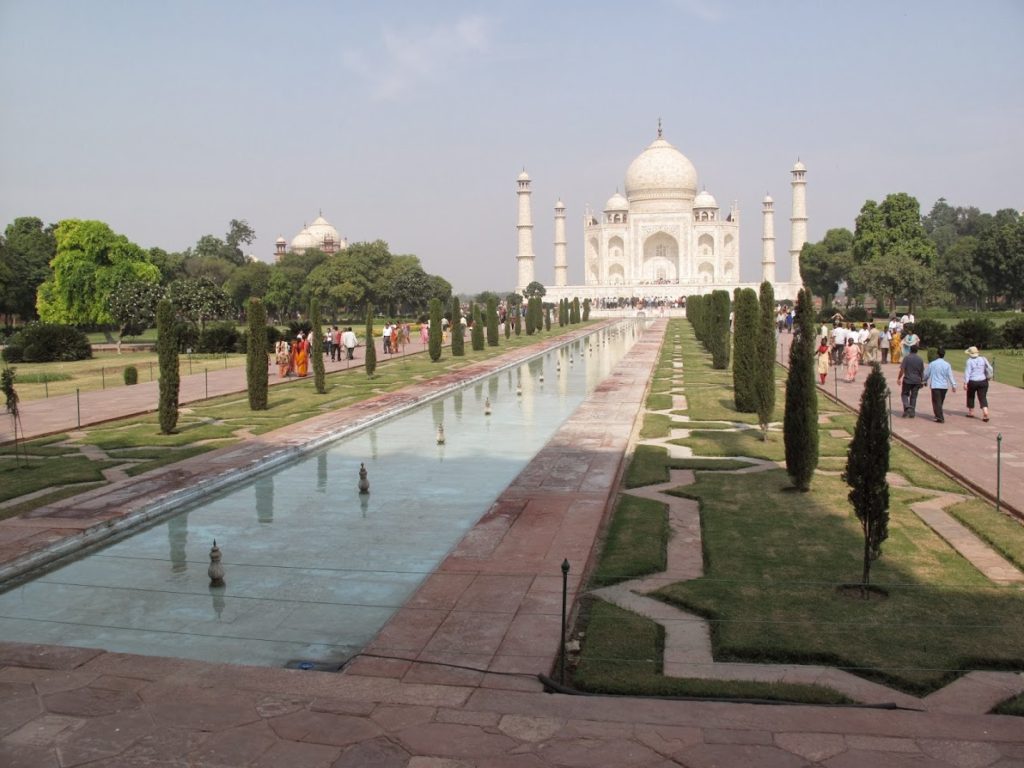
x=910, y=377
x=939, y=376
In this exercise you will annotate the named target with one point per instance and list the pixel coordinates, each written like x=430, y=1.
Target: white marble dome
x=661, y=172
x=617, y=203
x=322, y=232
x=705, y=200
x=303, y=241
x=798, y=166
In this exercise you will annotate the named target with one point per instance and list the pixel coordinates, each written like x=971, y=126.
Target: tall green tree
x=26, y=249
x=586, y=310
x=90, y=261
x=370, y=360
x=825, y=265
x=167, y=354
x=317, y=347
x=718, y=338
x=434, y=338
x=198, y=300
x=764, y=387
x=133, y=307
x=745, y=362
x=492, y=321
x=800, y=424
x=477, y=334
x=256, y=362
x=458, y=341
x=867, y=464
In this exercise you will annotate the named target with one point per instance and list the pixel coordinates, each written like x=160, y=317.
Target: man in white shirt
x=348, y=338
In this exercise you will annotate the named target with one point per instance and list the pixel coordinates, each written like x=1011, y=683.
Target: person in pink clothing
x=851, y=356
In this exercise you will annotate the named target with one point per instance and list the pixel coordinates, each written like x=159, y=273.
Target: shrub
x=586, y=310
x=46, y=343
x=800, y=423
x=975, y=331
x=187, y=335
x=458, y=340
x=933, y=333
x=1013, y=333
x=370, y=358
x=434, y=337
x=477, y=334
x=131, y=375
x=746, y=340
x=492, y=321
x=218, y=338
x=316, y=350
x=856, y=314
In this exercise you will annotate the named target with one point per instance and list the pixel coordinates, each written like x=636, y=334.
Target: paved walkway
x=966, y=448
x=69, y=707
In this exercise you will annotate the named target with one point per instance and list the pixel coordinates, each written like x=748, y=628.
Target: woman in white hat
x=977, y=373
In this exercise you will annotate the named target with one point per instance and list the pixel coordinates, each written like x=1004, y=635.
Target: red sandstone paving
x=175, y=712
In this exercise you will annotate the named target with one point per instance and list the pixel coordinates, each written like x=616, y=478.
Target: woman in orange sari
x=895, y=350
x=300, y=356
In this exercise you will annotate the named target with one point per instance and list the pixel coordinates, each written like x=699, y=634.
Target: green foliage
x=517, y=323
x=508, y=325
x=534, y=289
x=1013, y=333
x=976, y=331
x=256, y=361
x=492, y=321
x=824, y=265
x=764, y=387
x=574, y=314
x=547, y=318
x=477, y=334
x=529, y=321
x=745, y=362
x=167, y=352
x=434, y=338
x=316, y=349
x=26, y=250
x=45, y=343
x=933, y=333
x=371, y=346
x=458, y=341
x=7, y=377
x=219, y=338
x=131, y=375
x=867, y=465
x=719, y=330
x=586, y=310
x=90, y=261
x=132, y=306
x=800, y=424
x=636, y=542
x=198, y=300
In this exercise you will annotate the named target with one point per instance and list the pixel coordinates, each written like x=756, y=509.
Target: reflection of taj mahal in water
x=662, y=238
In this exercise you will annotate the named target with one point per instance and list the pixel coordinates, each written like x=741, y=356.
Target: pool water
x=313, y=568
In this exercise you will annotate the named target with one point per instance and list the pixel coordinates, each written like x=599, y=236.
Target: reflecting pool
x=313, y=568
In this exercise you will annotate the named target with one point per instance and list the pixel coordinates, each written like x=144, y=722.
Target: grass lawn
x=18, y=478
x=777, y=563
x=636, y=541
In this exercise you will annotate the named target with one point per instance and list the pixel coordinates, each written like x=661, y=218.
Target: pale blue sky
x=409, y=121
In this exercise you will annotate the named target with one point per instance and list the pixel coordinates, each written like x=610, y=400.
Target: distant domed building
x=661, y=237
x=321, y=234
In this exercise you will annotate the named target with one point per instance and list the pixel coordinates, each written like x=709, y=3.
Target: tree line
x=953, y=256
x=83, y=273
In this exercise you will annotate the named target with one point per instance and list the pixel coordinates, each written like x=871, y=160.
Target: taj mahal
x=662, y=237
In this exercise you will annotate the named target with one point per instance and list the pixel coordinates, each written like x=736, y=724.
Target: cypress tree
x=530, y=326
x=167, y=353
x=458, y=340
x=574, y=315
x=508, y=324
x=800, y=424
x=435, y=338
x=370, y=361
x=744, y=355
x=317, y=347
x=492, y=321
x=517, y=325
x=718, y=330
x=586, y=310
x=867, y=464
x=477, y=336
x=547, y=318
x=256, y=356
x=764, y=387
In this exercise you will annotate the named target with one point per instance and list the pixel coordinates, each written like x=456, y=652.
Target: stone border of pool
x=44, y=537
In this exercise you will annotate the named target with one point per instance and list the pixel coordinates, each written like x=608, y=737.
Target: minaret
x=525, y=257
x=798, y=234
x=768, y=240
x=561, y=268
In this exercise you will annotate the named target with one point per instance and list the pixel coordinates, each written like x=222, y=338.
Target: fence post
x=999, y=469
x=78, y=406
x=561, y=647
x=103, y=377
x=206, y=381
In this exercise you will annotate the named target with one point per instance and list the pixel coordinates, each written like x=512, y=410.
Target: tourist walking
x=348, y=338
x=909, y=339
x=282, y=357
x=977, y=374
x=939, y=378
x=851, y=356
x=822, y=360
x=896, y=346
x=910, y=377
x=300, y=356
x=884, y=339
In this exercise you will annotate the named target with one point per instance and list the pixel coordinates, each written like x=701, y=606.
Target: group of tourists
x=292, y=359
x=850, y=346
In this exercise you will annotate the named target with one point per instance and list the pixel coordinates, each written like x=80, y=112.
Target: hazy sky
x=409, y=121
